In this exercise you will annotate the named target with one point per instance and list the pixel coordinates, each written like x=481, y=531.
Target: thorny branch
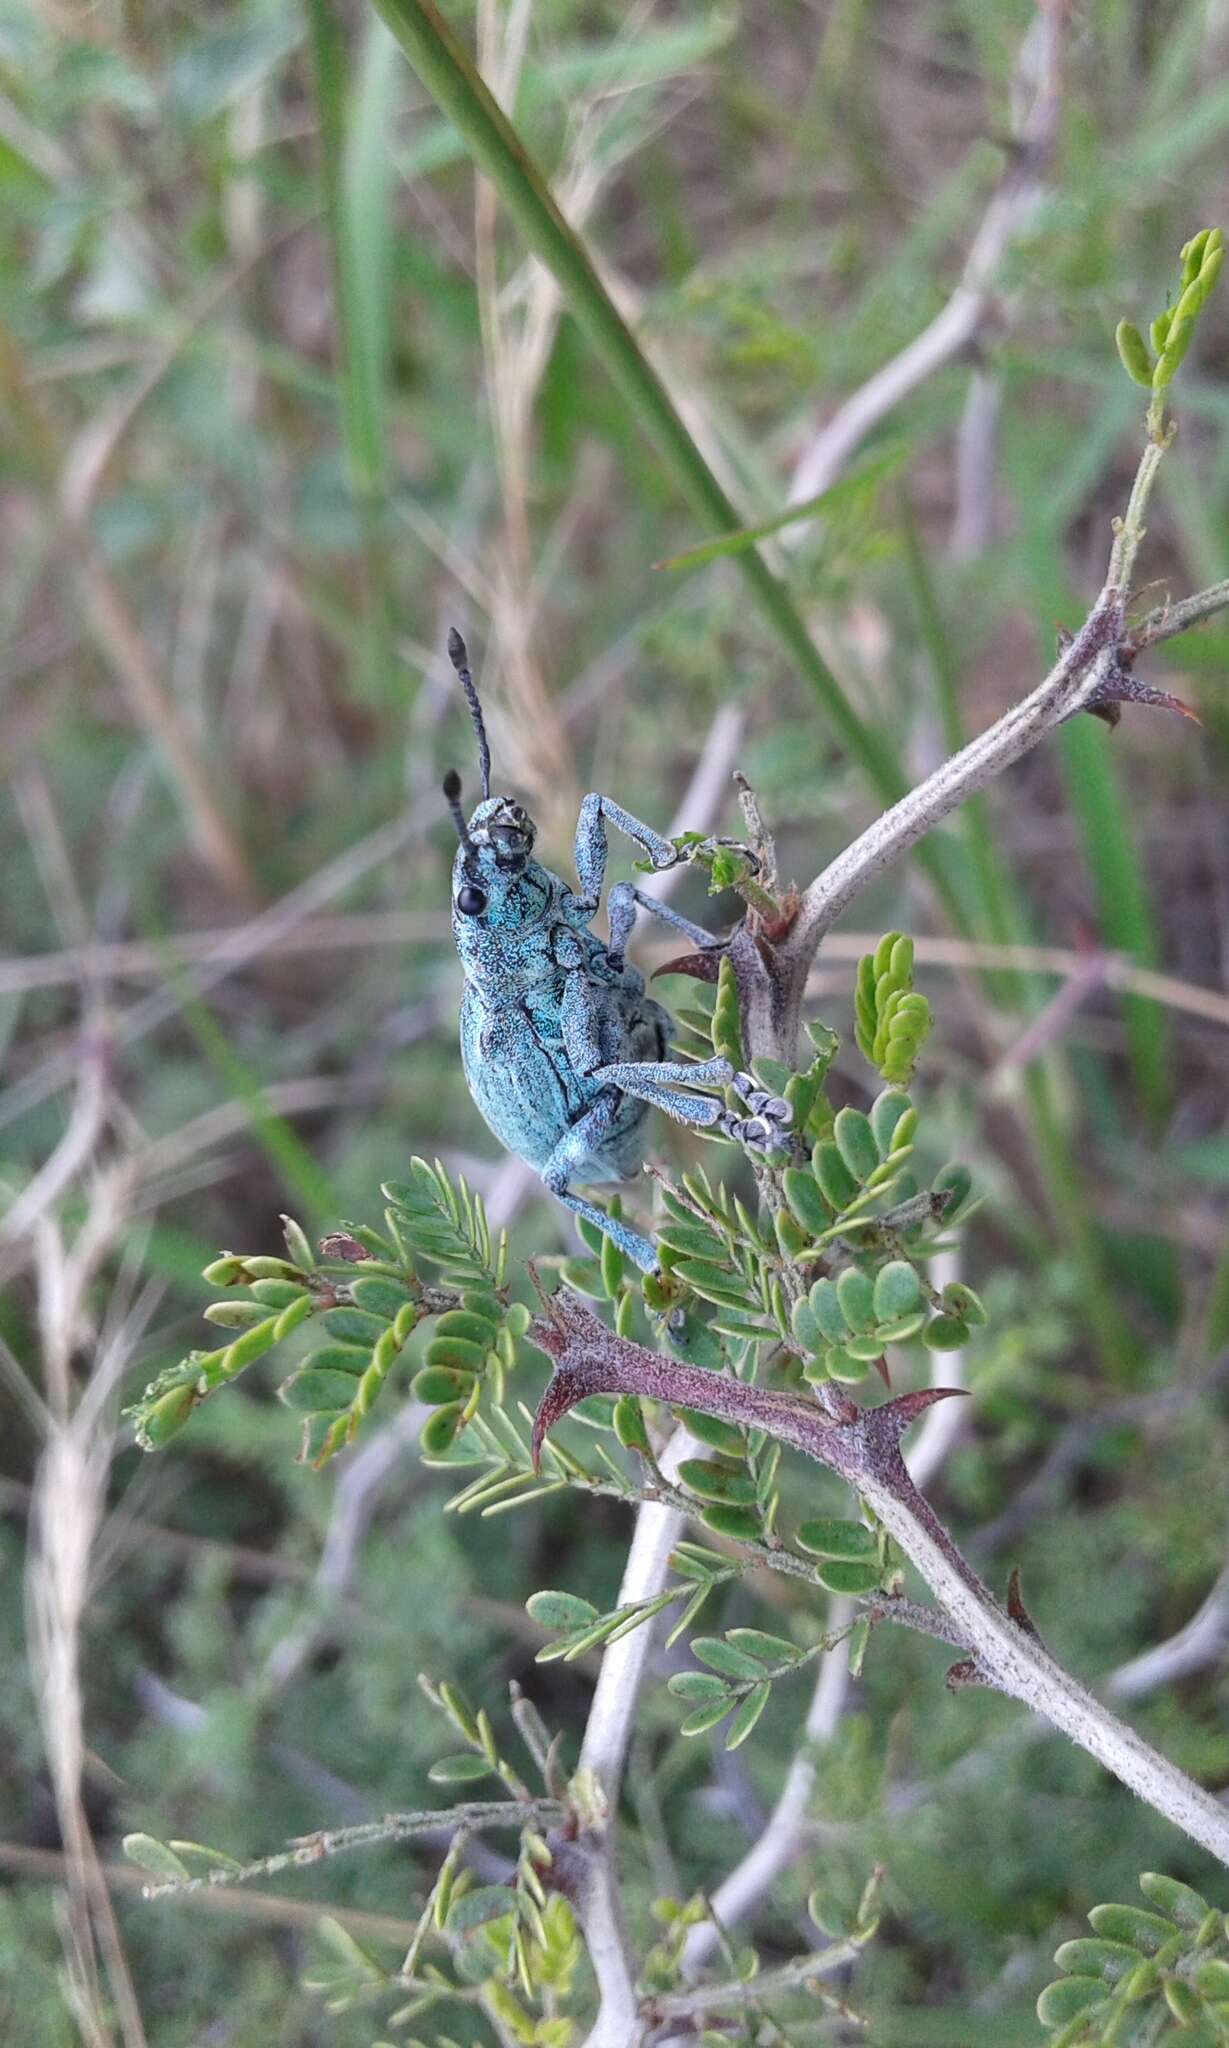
x=1004, y=1650
x=775, y=1845
x=1093, y=672
x=715, y=1998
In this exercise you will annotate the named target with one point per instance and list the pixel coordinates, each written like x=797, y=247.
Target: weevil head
x=498, y=889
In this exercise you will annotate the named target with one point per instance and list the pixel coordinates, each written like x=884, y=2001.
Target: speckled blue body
x=563, y=1050
x=513, y=1047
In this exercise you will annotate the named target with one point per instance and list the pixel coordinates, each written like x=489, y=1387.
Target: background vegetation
x=283, y=402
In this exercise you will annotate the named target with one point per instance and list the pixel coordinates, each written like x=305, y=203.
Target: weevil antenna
x=452, y=797
x=460, y=661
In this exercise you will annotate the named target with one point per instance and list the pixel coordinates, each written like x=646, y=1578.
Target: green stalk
x=356, y=174
x=1218, y=1304
x=449, y=75
x=1095, y=794
x=311, y=1188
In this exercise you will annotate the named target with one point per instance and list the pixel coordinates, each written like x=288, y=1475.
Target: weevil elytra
x=564, y=1051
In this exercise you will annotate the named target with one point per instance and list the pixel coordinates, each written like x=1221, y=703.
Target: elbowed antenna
x=452, y=797
x=460, y=661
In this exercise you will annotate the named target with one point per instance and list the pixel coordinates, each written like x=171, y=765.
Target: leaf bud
x=1135, y=358
x=165, y=1417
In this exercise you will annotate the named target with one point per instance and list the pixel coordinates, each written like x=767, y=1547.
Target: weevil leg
x=763, y=1131
x=570, y=1159
x=591, y=851
x=637, y=1077
x=624, y=901
x=702, y=1112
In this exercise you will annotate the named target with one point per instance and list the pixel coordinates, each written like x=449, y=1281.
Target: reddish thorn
x=700, y=966
x=906, y=1408
x=562, y=1393
x=1016, y=1608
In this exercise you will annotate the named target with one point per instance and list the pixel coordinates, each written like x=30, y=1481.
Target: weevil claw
x=761, y=1104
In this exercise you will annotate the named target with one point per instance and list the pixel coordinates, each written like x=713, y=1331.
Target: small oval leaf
x=1063, y=2002
x=707, y=1717
x=354, y=1326
x=725, y=1657
x=1177, y=1900
x=946, y=1333
x=312, y=1392
x=768, y=1649
x=897, y=1291
x=148, y=1853
x=472, y=1329
x=826, y=1308
x=718, y=1435
x=748, y=1714
x=462, y=1769
x=806, y=1201
x=458, y=1352
x=836, y=1181
x=743, y=1524
x=855, y=1142
x=886, y=1112
x=856, y=1294
x=712, y=1481
x=380, y=1296
x=439, y=1384
x=439, y=1430
x=825, y=1536
x=840, y=1577
x=1088, y=1957
x=697, y=1685
x=1147, y=1932
x=560, y=1610
x=474, y=1909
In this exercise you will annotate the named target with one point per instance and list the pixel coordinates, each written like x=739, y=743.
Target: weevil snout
x=510, y=831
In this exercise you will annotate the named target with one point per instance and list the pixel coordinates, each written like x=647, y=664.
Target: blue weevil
x=564, y=1052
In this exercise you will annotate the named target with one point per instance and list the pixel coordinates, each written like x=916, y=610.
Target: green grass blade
x=357, y=165
x=357, y=174
x=849, y=490
x=368, y=171
x=1123, y=906
x=310, y=1188
x=1002, y=916
x=1095, y=795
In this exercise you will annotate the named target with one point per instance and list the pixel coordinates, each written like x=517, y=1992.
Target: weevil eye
x=471, y=902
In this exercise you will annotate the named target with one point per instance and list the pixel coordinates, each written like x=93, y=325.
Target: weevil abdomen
x=529, y=1091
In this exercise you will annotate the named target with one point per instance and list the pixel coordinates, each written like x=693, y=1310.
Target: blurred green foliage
x=262, y=449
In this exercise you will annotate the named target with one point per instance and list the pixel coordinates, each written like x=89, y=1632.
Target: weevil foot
x=761, y=1103
x=756, y=1132
x=767, y=1125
